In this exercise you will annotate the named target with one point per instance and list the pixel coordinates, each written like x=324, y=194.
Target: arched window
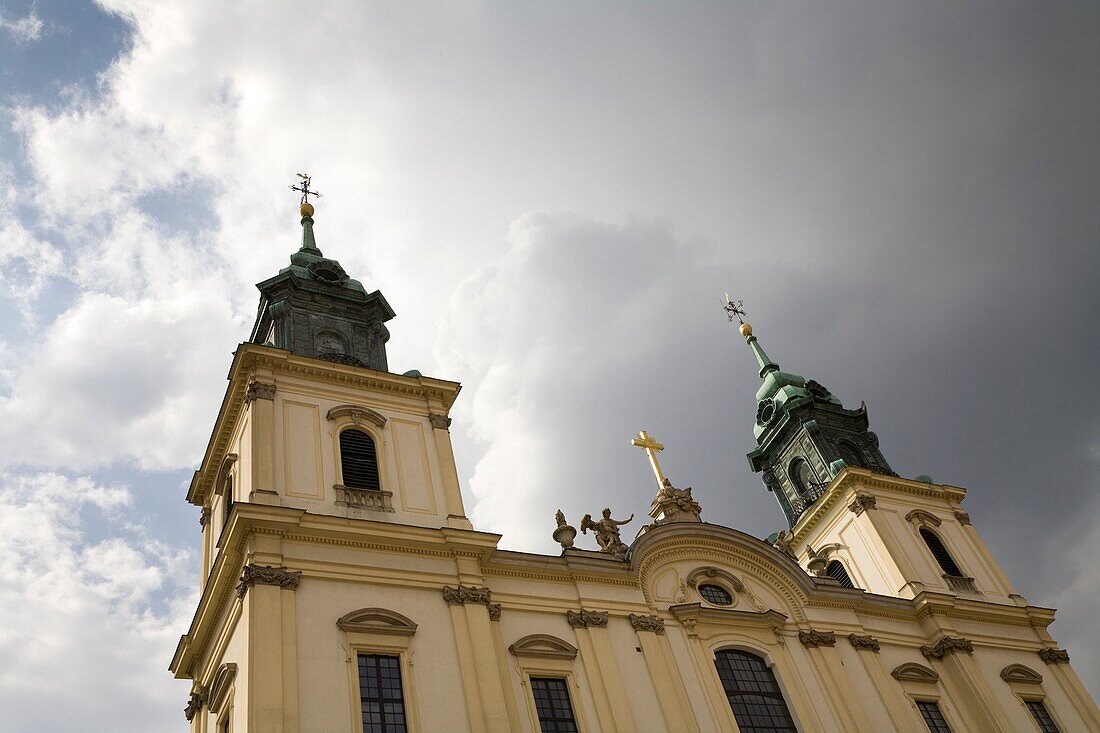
x=359, y=461
x=801, y=475
x=754, y=695
x=837, y=572
x=852, y=456
x=943, y=557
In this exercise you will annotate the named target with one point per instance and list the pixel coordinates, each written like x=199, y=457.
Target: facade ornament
x=358, y=415
x=913, y=672
x=585, y=619
x=204, y=516
x=464, y=594
x=1052, y=655
x=864, y=642
x=607, y=532
x=813, y=638
x=647, y=623
x=783, y=542
x=439, y=422
x=1021, y=673
x=267, y=575
x=565, y=533
x=862, y=503
x=963, y=517
x=779, y=635
x=819, y=560
x=194, y=704
x=494, y=611
x=259, y=391
x=674, y=505
x=947, y=645
x=921, y=518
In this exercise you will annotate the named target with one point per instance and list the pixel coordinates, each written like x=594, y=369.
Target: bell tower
x=804, y=435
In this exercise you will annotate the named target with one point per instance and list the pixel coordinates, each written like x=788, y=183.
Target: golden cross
x=644, y=441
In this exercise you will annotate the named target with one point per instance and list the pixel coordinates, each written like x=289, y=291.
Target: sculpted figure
x=783, y=544
x=606, y=531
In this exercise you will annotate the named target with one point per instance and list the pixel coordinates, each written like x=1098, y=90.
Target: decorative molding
x=584, y=619
x=1052, y=655
x=219, y=686
x=366, y=499
x=963, y=517
x=647, y=623
x=947, y=645
x=439, y=422
x=223, y=472
x=194, y=704
x=494, y=611
x=862, y=503
x=543, y=645
x=712, y=573
x=1021, y=673
x=357, y=414
x=813, y=638
x=913, y=672
x=377, y=621
x=267, y=575
x=259, y=391
x=464, y=594
x=921, y=518
x=204, y=516
x=864, y=642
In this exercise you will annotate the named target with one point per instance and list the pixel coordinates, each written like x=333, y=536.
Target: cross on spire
x=651, y=447
x=734, y=308
x=304, y=189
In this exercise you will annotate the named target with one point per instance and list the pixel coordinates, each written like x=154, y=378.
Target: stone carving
x=674, y=505
x=267, y=575
x=783, y=542
x=259, y=391
x=585, y=619
x=358, y=415
x=377, y=621
x=647, y=623
x=607, y=532
x=862, y=503
x=819, y=560
x=194, y=705
x=204, y=516
x=1021, y=673
x=947, y=645
x=813, y=638
x=366, y=499
x=464, y=594
x=439, y=422
x=565, y=533
x=921, y=518
x=543, y=645
x=963, y=517
x=913, y=672
x=494, y=611
x=1051, y=655
x=864, y=642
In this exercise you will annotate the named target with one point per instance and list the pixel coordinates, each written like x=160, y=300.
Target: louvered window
x=359, y=461
x=552, y=705
x=1042, y=717
x=943, y=557
x=753, y=692
x=933, y=716
x=836, y=571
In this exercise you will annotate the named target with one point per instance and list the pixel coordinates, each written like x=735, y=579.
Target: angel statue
x=607, y=532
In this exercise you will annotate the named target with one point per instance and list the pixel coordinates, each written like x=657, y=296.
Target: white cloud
x=86, y=627
x=26, y=29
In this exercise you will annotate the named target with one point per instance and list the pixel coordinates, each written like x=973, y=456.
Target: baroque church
x=344, y=589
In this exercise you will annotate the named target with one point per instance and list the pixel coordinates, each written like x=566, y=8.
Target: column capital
x=267, y=575
x=813, y=638
x=947, y=645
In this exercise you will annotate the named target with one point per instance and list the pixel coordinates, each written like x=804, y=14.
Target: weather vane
x=734, y=309
x=303, y=188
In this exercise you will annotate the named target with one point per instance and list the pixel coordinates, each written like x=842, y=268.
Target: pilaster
x=268, y=596
x=260, y=401
x=452, y=494
x=667, y=681
x=821, y=647
x=602, y=670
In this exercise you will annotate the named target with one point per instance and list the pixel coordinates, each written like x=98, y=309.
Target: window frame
x=771, y=666
x=567, y=681
x=1026, y=700
x=381, y=643
x=924, y=540
x=382, y=483
x=400, y=675
x=917, y=700
x=946, y=710
x=562, y=668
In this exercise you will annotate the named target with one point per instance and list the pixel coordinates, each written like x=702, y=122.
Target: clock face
x=765, y=411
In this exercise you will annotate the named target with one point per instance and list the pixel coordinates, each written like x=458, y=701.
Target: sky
x=552, y=197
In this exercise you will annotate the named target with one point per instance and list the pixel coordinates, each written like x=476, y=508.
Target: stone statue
x=607, y=532
x=564, y=534
x=783, y=544
x=674, y=505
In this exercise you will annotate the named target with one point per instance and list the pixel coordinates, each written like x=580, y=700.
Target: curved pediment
x=543, y=645
x=913, y=672
x=357, y=414
x=220, y=686
x=377, y=621
x=1021, y=673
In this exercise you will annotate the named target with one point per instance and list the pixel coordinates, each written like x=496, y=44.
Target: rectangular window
x=1039, y=711
x=933, y=717
x=380, y=694
x=553, y=706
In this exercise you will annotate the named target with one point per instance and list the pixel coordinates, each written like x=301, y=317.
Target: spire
x=309, y=244
x=736, y=309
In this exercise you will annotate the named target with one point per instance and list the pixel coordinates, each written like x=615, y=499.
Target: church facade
x=344, y=589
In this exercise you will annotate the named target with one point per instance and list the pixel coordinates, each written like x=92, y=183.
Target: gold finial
x=746, y=329
x=306, y=210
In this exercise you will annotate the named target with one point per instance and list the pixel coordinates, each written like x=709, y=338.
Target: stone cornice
x=249, y=358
